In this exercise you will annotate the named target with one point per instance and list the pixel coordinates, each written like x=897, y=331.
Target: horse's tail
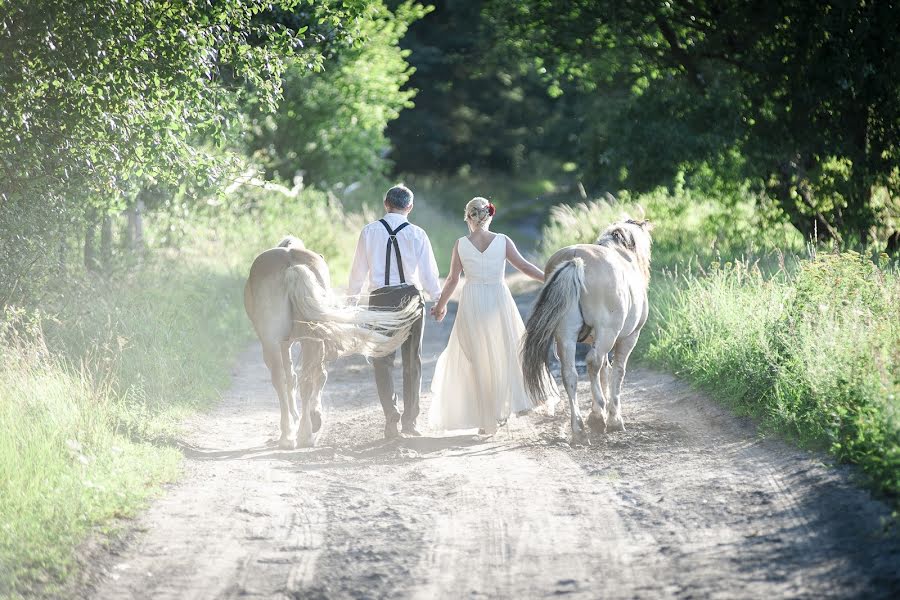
x=346, y=329
x=558, y=297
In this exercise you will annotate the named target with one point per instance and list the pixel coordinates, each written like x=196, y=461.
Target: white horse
x=597, y=293
x=288, y=299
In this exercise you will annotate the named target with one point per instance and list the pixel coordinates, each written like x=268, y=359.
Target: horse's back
x=615, y=290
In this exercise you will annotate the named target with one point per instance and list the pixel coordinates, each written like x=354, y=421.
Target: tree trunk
x=790, y=176
x=62, y=251
x=106, y=244
x=136, y=223
x=893, y=244
x=90, y=234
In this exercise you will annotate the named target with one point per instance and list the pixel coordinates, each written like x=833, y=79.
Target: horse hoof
x=305, y=437
x=579, y=439
x=315, y=419
x=286, y=443
x=616, y=424
x=596, y=422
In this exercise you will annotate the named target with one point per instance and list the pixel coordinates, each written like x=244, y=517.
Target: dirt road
x=688, y=503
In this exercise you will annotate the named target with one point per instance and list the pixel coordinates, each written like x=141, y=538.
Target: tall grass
x=85, y=391
x=108, y=366
x=814, y=353
x=689, y=228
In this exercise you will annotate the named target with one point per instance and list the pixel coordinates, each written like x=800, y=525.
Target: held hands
x=438, y=312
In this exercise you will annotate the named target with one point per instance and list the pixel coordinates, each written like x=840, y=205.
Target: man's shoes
x=411, y=431
x=391, y=430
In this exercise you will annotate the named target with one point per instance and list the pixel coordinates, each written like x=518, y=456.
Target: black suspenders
x=392, y=240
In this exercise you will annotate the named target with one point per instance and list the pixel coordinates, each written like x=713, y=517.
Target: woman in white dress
x=478, y=378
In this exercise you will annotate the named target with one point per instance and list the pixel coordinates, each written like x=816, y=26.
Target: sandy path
x=689, y=502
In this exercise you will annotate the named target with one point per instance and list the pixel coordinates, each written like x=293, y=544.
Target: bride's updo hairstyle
x=479, y=212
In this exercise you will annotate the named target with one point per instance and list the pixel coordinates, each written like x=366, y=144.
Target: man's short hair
x=399, y=197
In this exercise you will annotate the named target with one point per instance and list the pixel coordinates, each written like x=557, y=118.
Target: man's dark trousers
x=396, y=296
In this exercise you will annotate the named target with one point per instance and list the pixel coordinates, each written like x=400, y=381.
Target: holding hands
x=439, y=311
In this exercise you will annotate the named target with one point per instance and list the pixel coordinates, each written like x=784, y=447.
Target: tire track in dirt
x=688, y=502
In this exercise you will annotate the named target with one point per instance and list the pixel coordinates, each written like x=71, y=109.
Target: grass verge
x=813, y=353
x=90, y=379
x=83, y=394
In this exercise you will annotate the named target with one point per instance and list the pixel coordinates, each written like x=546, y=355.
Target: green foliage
x=108, y=103
x=96, y=92
x=803, y=95
x=330, y=124
x=813, y=353
x=479, y=107
x=688, y=227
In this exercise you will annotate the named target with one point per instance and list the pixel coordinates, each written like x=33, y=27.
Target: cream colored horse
x=288, y=299
x=597, y=293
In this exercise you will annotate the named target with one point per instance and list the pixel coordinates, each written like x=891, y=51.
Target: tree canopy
x=799, y=99
x=101, y=100
x=806, y=93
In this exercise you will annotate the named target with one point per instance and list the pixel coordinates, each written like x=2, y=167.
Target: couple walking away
x=478, y=379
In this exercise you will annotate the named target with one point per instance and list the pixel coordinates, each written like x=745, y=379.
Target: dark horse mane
x=619, y=234
x=622, y=234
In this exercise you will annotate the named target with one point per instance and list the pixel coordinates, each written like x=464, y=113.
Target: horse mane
x=633, y=237
x=290, y=241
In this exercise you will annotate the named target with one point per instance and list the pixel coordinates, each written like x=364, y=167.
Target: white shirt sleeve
x=360, y=269
x=429, y=270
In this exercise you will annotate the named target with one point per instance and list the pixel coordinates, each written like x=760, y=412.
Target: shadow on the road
x=379, y=451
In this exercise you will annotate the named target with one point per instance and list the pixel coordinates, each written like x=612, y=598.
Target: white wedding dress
x=478, y=378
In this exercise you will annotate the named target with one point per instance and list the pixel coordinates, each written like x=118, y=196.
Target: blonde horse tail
x=560, y=294
x=345, y=329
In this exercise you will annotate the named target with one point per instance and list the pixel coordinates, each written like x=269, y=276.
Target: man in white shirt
x=394, y=257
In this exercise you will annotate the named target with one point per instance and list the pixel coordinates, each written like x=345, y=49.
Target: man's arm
x=360, y=269
x=428, y=270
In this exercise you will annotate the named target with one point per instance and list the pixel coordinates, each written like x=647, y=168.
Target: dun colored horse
x=288, y=298
x=597, y=293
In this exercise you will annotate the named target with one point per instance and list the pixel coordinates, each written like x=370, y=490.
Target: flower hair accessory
x=491, y=209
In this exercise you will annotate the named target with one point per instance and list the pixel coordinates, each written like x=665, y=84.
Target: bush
x=686, y=224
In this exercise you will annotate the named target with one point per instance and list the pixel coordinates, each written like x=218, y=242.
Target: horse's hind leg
x=620, y=360
x=312, y=382
x=272, y=354
x=598, y=369
x=290, y=358
x=565, y=346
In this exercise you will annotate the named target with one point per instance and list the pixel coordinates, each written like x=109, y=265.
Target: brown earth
x=689, y=502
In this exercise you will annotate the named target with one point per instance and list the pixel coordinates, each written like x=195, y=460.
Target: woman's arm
x=519, y=262
x=439, y=310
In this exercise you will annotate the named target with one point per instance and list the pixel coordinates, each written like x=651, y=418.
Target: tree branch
x=678, y=52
